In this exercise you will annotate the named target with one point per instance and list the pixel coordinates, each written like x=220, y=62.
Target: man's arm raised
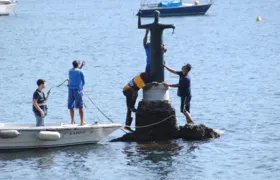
x=169, y=69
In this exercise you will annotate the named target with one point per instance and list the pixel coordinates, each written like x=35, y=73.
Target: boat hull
x=28, y=138
x=176, y=11
x=6, y=9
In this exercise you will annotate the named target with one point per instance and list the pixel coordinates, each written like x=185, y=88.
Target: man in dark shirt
x=40, y=102
x=184, y=89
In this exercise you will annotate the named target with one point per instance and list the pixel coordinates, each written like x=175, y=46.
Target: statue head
x=157, y=14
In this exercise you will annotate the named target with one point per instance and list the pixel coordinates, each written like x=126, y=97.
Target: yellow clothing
x=136, y=83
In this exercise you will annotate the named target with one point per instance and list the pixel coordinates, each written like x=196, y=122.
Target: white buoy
x=196, y=2
x=259, y=19
x=49, y=135
x=9, y=133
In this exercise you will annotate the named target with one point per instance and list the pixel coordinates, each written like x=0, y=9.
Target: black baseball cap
x=76, y=63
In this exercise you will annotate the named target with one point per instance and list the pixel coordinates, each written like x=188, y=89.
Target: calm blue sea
x=235, y=86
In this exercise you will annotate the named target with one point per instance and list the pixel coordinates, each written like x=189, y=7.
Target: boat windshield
x=161, y=3
x=175, y=3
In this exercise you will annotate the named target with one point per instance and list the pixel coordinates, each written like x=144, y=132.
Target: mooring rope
x=57, y=86
x=100, y=110
x=145, y=126
x=153, y=124
x=62, y=83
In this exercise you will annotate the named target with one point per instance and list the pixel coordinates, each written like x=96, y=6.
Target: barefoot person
x=75, y=90
x=40, y=102
x=184, y=89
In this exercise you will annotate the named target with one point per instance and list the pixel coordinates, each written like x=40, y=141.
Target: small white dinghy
x=25, y=136
x=6, y=7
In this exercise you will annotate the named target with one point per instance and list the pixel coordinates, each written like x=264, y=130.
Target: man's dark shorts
x=185, y=103
x=75, y=98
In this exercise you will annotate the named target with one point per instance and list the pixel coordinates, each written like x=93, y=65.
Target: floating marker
x=259, y=19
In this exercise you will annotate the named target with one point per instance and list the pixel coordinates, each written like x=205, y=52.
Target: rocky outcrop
x=156, y=121
x=187, y=132
x=196, y=132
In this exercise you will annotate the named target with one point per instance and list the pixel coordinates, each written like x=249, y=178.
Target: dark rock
x=129, y=137
x=187, y=132
x=135, y=137
x=196, y=132
x=156, y=121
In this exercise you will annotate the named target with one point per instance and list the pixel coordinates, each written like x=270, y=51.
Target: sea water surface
x=235, y=86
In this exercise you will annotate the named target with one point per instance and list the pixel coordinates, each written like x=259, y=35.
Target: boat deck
x=32, y=126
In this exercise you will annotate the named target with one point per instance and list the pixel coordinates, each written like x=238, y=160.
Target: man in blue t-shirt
x=75, y=92
x=147, y=47
x=184, y=89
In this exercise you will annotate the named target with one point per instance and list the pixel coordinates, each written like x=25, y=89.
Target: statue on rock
x=156, y=29
x=155, y=116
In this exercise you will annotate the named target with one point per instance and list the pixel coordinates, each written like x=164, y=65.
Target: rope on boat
x=100, y=110
x=62, y=83
x=145, y=126
x=57, y=86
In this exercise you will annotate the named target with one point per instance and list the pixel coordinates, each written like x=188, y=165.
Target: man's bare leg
x=72, y=113
x=81, y=112
x=188, y=117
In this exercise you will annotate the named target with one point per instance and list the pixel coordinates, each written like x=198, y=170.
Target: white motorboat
x=26, y=136
x=6, y=7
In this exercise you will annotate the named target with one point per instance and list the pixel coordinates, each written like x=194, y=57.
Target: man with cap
x=184, y=89
x=76, y=83
x=131, y=93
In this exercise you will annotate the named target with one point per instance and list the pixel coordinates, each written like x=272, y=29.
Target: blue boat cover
x=170, y=4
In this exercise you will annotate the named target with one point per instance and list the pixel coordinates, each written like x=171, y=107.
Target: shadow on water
x=159, y=157
x=74, y=162
x=47, y=157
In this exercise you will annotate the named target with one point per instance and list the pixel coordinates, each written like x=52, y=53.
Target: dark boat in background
x=174, y=8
